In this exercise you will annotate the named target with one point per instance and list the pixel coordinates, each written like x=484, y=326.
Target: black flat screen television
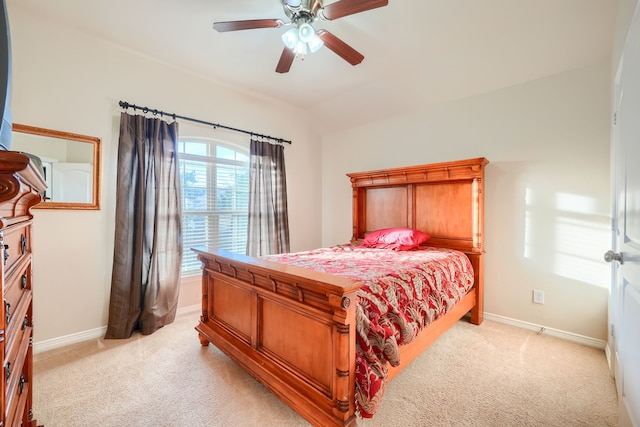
x=5, y=79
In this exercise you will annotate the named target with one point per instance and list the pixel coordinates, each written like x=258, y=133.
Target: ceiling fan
x=302, y=37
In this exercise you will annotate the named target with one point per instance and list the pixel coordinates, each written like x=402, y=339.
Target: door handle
x=613, y=256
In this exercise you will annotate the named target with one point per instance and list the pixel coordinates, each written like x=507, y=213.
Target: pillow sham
x=397, y=239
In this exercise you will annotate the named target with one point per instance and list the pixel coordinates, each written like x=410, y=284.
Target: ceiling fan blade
x=347, y=53
x=286, y=59
x=343, y=8
x=247, y=25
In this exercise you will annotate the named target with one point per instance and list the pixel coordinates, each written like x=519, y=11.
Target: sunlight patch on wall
x=578, y=253
x=565, y=234
x=528, y=238
x=575, y=203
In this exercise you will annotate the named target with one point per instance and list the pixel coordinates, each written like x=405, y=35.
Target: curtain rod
x=145, y=110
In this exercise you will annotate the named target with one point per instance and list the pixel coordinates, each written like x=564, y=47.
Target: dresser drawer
x=16, y=350
x=18, y=320
x=20, y=414
x=18, y=385
x=16, y=288
x=17, y=244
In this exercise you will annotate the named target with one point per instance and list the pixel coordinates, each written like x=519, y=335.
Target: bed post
x=477, y=260
x=204, y=341
x=344, y=354
x=477, y=312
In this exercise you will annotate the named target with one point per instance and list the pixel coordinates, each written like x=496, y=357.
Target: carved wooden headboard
x=444, y=200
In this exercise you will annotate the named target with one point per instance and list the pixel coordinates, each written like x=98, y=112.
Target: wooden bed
x=293, y=329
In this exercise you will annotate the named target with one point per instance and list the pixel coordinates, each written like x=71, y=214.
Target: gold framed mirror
x=71, y=165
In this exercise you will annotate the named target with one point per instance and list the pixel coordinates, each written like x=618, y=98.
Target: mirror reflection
x=70, y=164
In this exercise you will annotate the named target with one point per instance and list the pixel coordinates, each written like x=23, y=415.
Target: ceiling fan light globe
x=294, y=3
x=306, y=32
x=290, y=38
x=315, y=44
x=301, y=48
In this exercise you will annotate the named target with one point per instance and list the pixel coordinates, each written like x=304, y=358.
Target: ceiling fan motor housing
x=308, y=8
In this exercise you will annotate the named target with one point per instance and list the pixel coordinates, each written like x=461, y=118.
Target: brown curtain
x=148, y=236
x=268, y=227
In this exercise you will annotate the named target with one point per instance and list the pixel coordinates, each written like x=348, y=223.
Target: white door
x=626, y=226
x=72, y=182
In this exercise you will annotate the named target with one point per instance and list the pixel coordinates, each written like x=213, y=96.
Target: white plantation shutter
x=215, y=197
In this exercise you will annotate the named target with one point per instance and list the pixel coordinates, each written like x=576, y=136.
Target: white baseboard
x=624, y=416
x=569, y=336
x=65, y=340
x=91, y=334
x=197, y=308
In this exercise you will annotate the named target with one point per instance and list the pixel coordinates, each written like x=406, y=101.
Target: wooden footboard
x=290, y=328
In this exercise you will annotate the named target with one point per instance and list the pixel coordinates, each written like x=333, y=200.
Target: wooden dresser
x=21, y=186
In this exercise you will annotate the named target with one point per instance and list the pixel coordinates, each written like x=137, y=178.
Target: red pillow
x=398, y=239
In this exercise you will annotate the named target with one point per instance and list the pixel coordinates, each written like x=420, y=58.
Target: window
x=215, y=198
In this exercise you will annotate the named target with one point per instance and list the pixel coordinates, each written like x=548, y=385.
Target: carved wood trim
x=18, y=175
x=434, y=172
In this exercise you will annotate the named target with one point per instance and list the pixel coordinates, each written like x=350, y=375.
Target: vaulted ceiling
x=418, y=53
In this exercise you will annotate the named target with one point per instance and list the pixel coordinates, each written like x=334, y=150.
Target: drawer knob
x=22, y=381
x=6, y=254
x=7, y=308
x=7, y=372
x=23, y=243
x=25, y=322
x=23, y=281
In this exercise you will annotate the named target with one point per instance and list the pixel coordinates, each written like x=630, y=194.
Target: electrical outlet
x=538, y=296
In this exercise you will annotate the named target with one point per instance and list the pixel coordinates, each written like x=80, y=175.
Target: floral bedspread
x=403, y=292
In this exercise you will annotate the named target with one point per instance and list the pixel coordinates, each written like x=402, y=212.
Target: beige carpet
x=488, y=375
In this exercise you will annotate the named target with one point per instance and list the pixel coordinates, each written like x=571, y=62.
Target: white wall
x=68, y=81
x=547, y=189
